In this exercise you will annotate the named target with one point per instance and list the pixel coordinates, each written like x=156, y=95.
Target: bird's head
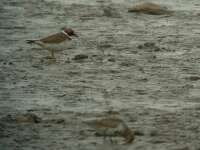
x=70, y=31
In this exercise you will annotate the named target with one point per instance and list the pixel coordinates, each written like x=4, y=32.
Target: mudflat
x=145, y=67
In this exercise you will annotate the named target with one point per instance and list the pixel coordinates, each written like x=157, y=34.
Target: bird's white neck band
x=65, y=33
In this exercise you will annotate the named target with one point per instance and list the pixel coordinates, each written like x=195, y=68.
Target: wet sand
x=145, y=67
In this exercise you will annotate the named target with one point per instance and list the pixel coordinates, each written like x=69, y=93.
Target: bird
x=150, y=8
x=111, y=127
x=55, y=42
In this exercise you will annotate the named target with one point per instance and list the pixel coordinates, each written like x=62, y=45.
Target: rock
x=141, y=92
x=80, y=57
x=193, y=78
x=140, y=46
x=111, y=59
x=150, y=8
x=109, y=11
x=157, y=49
x=157, y=141
x=57, y=121
x=153, y=132
x=146, y=45
x=151, y=46
x=127, y=63
x=38, y=66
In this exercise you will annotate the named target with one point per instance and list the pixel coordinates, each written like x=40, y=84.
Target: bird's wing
x=56, y=38
x=109, y=122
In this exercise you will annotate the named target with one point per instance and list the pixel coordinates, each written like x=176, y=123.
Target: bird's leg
x=52, y=54
x=102, y=55
x=104, y=138
x=111, y=140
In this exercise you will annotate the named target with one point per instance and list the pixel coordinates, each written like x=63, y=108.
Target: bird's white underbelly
x=56, y=47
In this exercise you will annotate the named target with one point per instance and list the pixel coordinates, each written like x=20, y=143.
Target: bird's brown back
x=55, y=38
x=150, y=8
x=108, y=123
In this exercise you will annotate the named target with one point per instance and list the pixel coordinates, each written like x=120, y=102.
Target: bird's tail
x=30, y=41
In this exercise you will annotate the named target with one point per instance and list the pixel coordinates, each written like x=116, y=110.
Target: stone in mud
x=111, y=59
x=153, y=132
x=127, y=63
x=80, y=57
x=151, y=46
x=7, y=63
x=109, y=11
x=140, y=92
x=157, y=141
x=150, y=8
x=193, y=78
x=57, y=121
x=146, y=45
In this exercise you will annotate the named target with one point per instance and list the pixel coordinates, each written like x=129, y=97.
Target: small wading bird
x=55, y=42
x=111, y=127
x=150, y=8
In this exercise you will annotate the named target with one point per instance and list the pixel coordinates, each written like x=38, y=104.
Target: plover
x=55, y=42
x=111, y=127
x=150, y=8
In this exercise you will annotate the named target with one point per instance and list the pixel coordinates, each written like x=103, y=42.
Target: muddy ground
x=145, y=67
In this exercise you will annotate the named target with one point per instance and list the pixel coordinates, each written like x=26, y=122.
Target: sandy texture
x=143, y=66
